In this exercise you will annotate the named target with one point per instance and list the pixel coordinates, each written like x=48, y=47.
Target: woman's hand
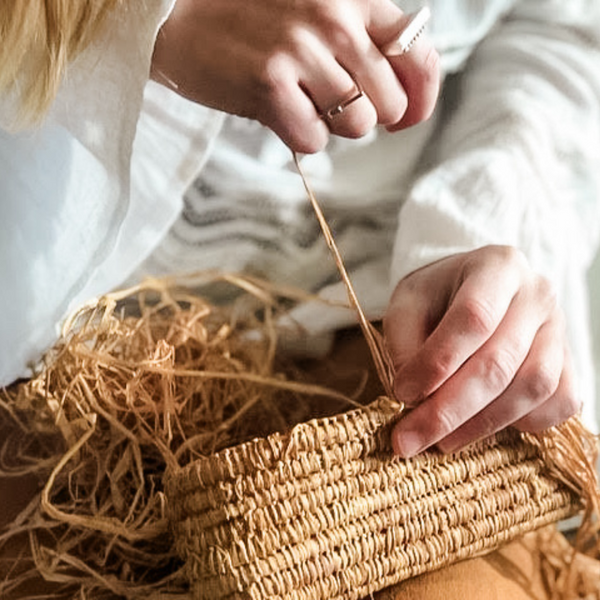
x=478, y=343
x=286, y=63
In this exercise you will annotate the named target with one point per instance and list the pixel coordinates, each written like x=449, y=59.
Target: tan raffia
x=326, y=512
x=152, y=428
x=156, y=379
x=141, y=380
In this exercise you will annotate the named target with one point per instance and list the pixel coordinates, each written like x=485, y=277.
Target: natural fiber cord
x=153, y=429
x=326, y=512
x=164, y=428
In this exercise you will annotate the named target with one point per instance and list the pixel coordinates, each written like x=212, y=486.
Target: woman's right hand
x=285, y=63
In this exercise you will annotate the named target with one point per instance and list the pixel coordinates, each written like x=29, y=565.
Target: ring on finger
x=339, y=107
x=409, y=34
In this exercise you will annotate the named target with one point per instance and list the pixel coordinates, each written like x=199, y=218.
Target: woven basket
x=327, y=512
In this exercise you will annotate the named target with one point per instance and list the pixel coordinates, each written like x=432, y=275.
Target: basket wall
x=327, y=512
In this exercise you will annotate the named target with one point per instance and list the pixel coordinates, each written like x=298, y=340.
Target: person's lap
x=513, y=571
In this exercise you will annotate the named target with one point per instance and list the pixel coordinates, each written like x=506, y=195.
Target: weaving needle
x=409, y=34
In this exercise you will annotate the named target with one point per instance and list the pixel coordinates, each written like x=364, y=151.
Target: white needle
x=409, y=34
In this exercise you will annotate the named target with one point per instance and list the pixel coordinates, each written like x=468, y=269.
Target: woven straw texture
x=326, y=512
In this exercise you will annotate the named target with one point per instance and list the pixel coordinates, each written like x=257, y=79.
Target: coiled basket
x=325, y=511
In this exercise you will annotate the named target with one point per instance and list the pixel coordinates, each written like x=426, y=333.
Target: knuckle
x=541, y=383
x=342, y=34
x=546, y=294
x=477, y=317
x=443, y=362
x=337, y=21
x=443, y=422
x=571, y=404
x=506, y=255
x=511, y=255
x=273, y=74
x=498, y=370
x=342, y=40
x=544, y=287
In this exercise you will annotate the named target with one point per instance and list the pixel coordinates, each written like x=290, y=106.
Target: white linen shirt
x=125, y=178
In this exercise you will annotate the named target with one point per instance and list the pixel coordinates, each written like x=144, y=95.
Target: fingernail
x=448, y=447
x=407, y=443
x=409, y=393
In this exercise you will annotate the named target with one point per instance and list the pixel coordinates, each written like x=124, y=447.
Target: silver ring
x=339, y=107
x=409, y=34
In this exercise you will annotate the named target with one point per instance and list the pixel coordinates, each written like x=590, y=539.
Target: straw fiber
x=165, y=430
x=325, y=511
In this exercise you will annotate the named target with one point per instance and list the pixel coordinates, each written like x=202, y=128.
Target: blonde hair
x=38, y=39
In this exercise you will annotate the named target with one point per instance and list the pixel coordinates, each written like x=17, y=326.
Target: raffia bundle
x=142, y=381
x=151, y=430
x=175, y=452
x=326, y=512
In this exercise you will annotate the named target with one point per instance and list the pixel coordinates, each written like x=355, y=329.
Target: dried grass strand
x=156, y=379
x=372, y=336
x=141, y=381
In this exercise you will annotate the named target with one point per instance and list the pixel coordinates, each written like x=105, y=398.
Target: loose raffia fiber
x=326, y=512
x=151, y=429
x=141, y=379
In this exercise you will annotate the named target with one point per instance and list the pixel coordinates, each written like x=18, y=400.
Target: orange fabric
x=512, y=573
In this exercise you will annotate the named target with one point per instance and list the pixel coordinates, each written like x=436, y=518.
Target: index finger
x=473, y=315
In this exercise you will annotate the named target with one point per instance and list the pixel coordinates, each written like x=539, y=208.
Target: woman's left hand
x=478, y=343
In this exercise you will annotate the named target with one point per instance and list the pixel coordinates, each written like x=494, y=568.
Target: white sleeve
x=65, y=187
x=517, y=158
